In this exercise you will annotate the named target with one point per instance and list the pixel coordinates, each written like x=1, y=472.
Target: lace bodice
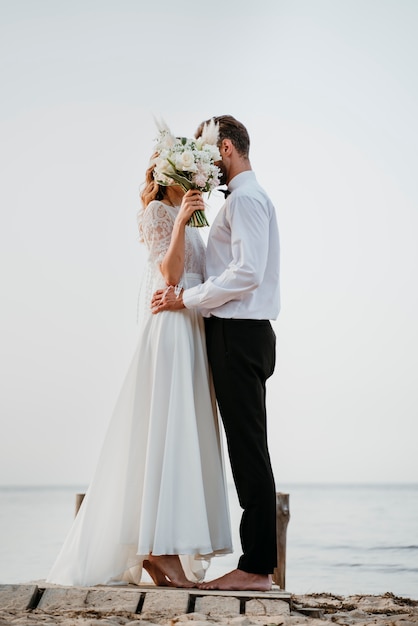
x=157, y=225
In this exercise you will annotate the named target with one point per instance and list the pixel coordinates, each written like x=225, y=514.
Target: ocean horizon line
x=84, y=486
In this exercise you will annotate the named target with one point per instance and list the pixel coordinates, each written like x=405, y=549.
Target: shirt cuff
x=191, y=297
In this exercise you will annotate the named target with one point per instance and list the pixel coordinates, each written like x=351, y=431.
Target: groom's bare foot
x=238, y=580
x=169, y=567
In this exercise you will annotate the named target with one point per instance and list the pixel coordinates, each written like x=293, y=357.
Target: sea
x=341, y=539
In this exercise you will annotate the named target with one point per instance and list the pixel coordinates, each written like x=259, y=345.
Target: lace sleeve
x=156, y=229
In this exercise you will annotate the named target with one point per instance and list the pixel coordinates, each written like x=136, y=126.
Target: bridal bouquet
x=189, y=163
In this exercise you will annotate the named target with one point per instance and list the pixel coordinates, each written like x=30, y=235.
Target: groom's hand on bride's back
x=167, y=300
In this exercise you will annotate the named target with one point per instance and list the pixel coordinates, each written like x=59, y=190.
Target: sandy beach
x=34, y=603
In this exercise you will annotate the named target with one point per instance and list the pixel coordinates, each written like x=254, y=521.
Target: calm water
x=341, y=539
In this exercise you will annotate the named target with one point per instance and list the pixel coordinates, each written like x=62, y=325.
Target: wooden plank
x=79, y=497
x=274, y=594
x=282, y=521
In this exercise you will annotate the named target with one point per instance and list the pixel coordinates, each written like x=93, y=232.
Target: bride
x=158, y=498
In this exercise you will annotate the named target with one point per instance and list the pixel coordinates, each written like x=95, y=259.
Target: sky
x=328, y=90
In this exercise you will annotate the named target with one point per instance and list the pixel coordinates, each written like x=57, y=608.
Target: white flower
x=213, y=151
x=161, y=164
x=185, y=161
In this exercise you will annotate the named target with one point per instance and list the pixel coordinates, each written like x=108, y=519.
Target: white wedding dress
x=159, y=485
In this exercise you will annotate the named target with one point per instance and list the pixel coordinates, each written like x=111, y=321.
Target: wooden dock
x=40, y=604
x=151, y=603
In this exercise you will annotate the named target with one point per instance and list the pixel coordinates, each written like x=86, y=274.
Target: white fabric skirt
x=159, y=485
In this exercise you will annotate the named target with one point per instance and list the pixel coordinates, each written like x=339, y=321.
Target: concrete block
x=165, y=603
x=218, y=605
x=17, y=597
x=259, y=606
x=98, y=599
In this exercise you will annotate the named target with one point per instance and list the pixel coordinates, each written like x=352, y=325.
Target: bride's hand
x=192, y=201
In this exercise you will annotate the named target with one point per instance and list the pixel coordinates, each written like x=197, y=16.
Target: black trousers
x=242, y=356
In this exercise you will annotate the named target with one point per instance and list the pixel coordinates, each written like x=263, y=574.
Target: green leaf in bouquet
x=181, y=180
x=178, y=178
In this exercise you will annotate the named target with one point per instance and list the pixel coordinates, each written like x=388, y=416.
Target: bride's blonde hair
x=151, y=189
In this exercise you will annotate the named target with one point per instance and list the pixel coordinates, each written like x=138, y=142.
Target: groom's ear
x=226, y=147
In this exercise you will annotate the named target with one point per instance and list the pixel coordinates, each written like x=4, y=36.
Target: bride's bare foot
x=238, y=580
x=169, y=567
x=158, y=577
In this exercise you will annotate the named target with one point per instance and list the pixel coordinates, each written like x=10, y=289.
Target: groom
x=239, y=297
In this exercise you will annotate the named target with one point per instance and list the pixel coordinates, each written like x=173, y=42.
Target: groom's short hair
x=232, y=129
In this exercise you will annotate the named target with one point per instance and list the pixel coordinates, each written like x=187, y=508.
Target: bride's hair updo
x=151, y=189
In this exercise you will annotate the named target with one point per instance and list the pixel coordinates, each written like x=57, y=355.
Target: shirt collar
x=241, y=178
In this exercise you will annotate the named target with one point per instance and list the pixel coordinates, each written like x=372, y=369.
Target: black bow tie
x=226, y=192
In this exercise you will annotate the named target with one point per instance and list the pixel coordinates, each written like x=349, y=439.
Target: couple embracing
x=158, y=498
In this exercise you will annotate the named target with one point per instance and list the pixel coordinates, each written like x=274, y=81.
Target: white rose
x=162, y=165
x=185, y=161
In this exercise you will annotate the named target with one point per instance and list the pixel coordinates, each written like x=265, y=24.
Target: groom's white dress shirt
x=242, y=257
